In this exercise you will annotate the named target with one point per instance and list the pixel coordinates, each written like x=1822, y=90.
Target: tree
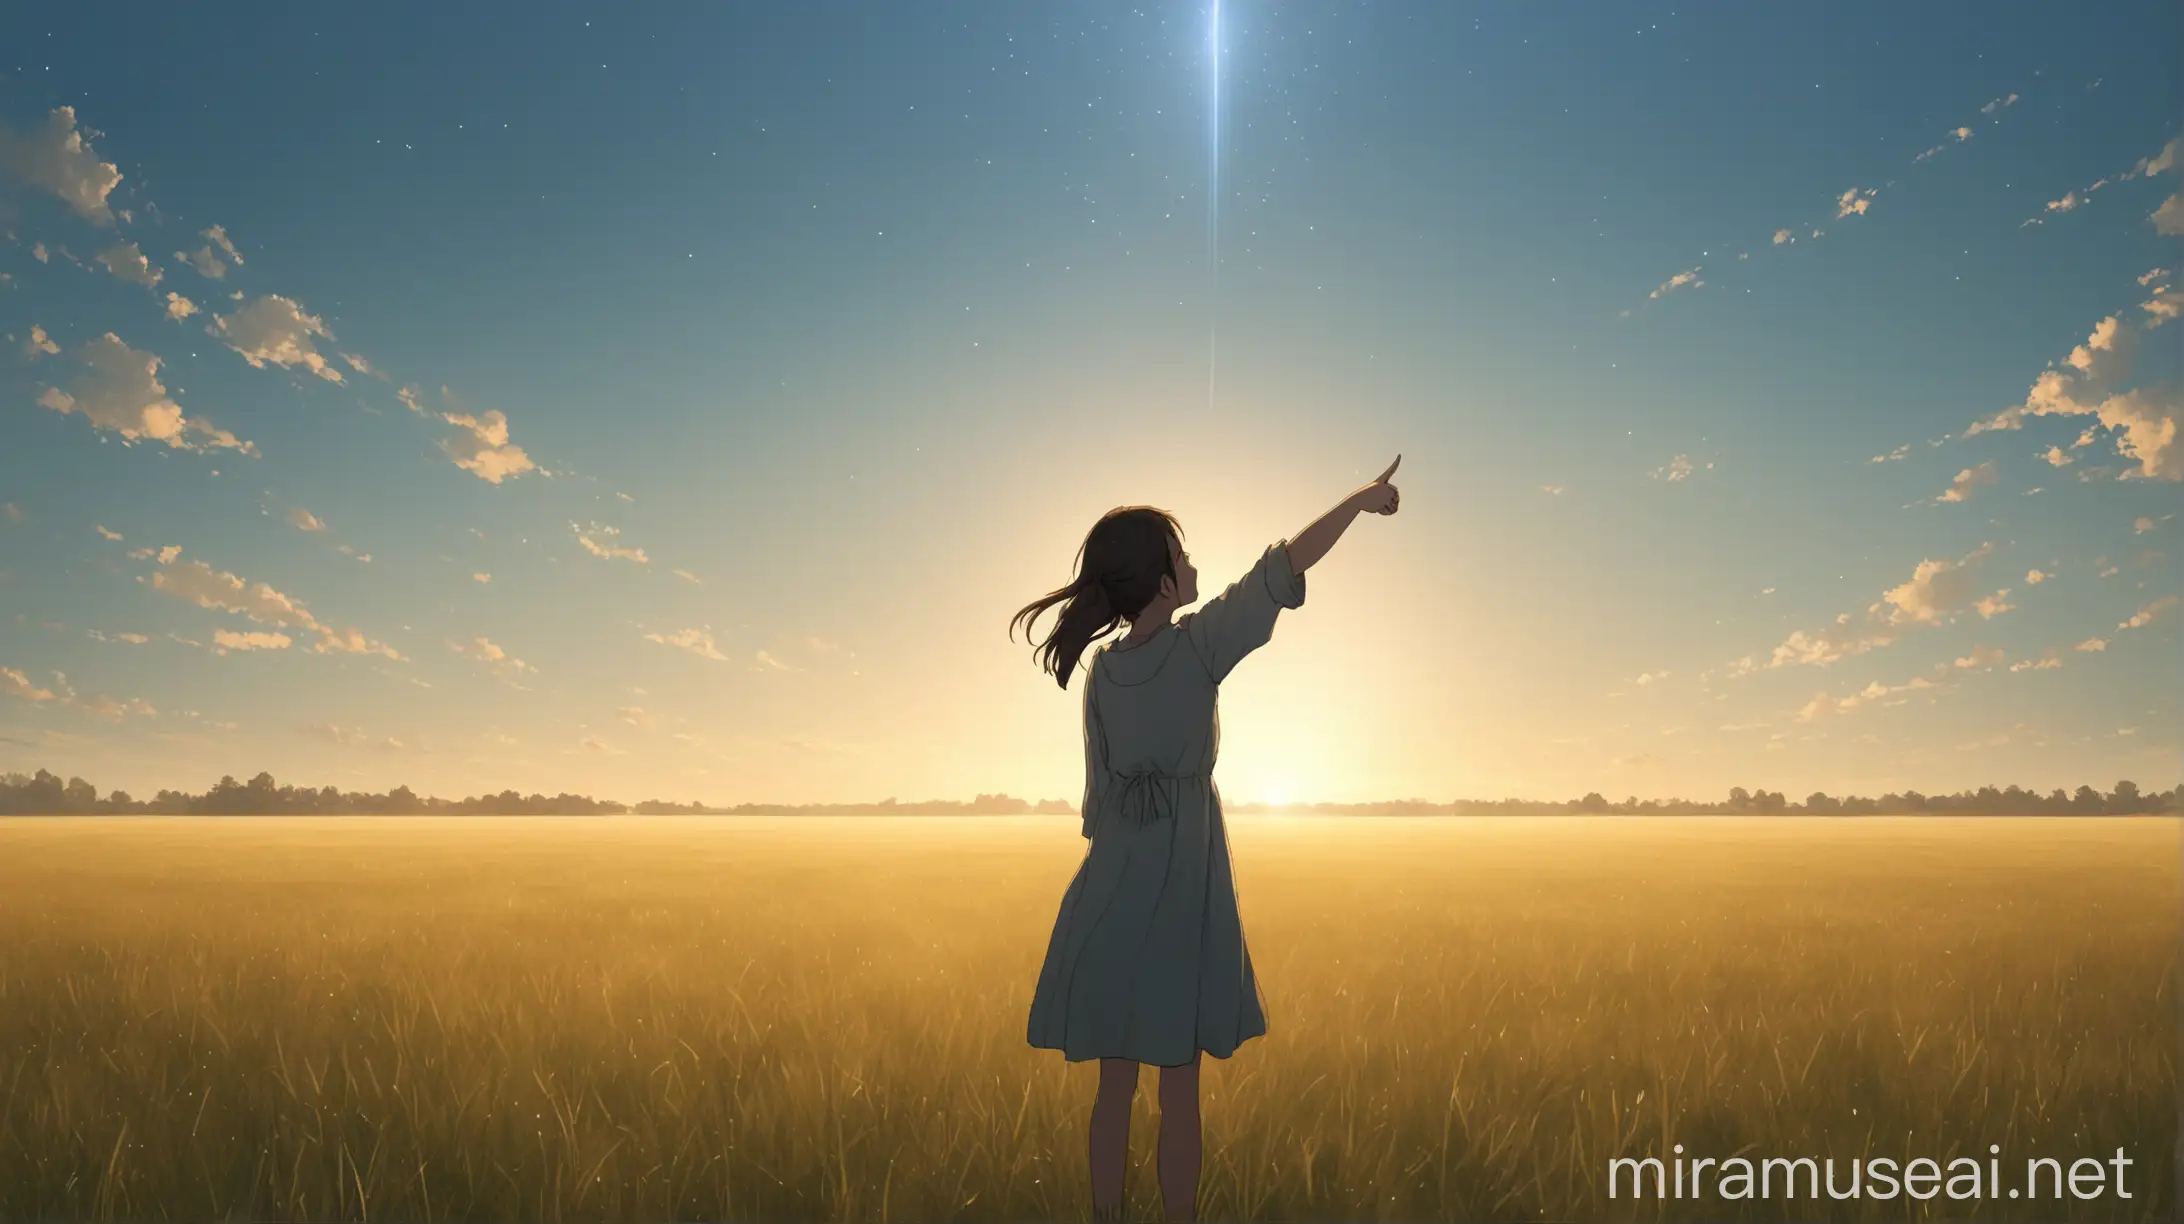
x=2124, y=800
x=1818, y=801
x=1593, y=801
x=1739, y=798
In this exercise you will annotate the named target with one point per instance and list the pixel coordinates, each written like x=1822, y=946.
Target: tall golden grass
x=823, y=1019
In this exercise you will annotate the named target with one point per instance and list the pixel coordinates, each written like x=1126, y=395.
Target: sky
x=677, y=403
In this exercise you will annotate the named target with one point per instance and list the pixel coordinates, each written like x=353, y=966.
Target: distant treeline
x=43, y=794
x=2124, y=800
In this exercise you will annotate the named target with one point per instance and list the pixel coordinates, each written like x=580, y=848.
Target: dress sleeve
x=1240, y=619
x=1095, y=751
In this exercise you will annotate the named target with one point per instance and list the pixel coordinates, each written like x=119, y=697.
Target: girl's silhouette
x=1147, y=962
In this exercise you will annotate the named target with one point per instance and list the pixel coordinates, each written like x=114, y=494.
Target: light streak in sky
x=1213, y=201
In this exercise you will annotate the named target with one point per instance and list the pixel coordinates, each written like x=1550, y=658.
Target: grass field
x=693, y=1018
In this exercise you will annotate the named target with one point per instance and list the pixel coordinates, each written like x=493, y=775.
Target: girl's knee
x=1180, y=1083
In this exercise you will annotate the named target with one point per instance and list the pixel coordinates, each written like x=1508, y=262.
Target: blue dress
x=1147, y=960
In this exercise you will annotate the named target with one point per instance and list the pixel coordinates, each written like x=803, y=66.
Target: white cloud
x=113, y=709
x=481, y=576
x=2106, y=355
x=1824, y=706
x=599, y=542
x=2058, y=456
x=2151, y=612
x=697, y=641
x=1991, y=606
x=2144, y=419
x=1892, y=456
x=687, y=576
x=133, y=639
x=2169, y=218
x=1645, y=678
x=1854, y=202
x=2091, y=645
x=1782, y=235
x=16, y=684
x=1678, y=281
x=1675, y=469
x=57, y=157
x=1962, y=134
x=1997, y=104
x=2036, y=577
x=121, y=393
x=352, y=737
x=2159, y=163
x=1937, y=591
x=484, y=650
x=105, y=534
x=39, y=343
x=635, y=716
x=763, y=660
x=1970, y=478
x=481, y=447
x=200, y=584
x=275, y=329
x=224, y=640
x=2141, y=525
x=179, y=307
x=128, y=263
x=2070, y=201
x=205, y=263
x=303, y=520
x=218, y=235
x=2162, y=306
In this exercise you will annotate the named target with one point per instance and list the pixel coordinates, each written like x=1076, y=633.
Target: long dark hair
x=1119, y=568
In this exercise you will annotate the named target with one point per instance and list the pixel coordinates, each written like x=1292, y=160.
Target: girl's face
x=1184, y=586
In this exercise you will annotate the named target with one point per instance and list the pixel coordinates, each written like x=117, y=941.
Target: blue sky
x=819, y=336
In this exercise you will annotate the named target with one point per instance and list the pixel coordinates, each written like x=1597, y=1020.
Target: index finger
x=1390, y=472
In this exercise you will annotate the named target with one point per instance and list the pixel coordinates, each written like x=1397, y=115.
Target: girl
x=1147, y=961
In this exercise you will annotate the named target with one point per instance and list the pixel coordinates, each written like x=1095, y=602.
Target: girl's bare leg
x=1111, y=1135
x=1181, y=1146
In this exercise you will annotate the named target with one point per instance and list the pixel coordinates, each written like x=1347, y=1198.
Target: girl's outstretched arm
x=1312, y=543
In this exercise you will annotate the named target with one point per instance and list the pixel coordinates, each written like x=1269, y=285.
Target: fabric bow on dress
x=1146, y=795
